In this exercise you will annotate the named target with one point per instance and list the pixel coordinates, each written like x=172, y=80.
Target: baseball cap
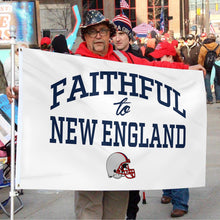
x=45, y=40
x=162, y=49
x=123, y=24
x=203, y=34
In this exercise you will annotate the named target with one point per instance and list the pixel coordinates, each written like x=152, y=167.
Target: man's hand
x=198, y=67
x=11, y=96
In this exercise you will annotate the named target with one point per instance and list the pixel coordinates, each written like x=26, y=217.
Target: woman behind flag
x=179, y=197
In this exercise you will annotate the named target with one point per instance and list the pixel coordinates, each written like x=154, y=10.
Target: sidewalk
x=204, y=202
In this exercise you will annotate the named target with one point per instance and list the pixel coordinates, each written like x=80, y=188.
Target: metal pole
x=154, y=22
x=162, y=7
x=183, y=21
x=12, y=192
x=207, y=17
x=196, y=12
x=202, y=15
x=186, y=16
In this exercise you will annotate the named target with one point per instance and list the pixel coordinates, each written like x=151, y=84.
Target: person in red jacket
x=165, y=51
x=96, y=33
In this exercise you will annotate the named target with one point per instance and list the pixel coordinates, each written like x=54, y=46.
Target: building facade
x=202, y=14
x=147, y=11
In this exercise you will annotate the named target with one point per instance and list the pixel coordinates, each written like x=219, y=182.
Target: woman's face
x=19, y=47
x=167, y=58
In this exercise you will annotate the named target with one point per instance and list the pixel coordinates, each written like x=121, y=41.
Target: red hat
x=175, y=43
x=162, y=49
x=204, y=35
x=45, y=40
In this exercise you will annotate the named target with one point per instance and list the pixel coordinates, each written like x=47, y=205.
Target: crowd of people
x=114, y=40
x=191, y=50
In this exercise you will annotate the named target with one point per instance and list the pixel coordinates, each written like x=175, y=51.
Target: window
x=92, y=4
x=154, y=12
x=130, y=13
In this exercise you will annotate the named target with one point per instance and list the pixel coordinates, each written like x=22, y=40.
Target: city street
x=204, y=202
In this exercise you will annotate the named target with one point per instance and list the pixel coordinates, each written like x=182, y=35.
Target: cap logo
x=158, y=47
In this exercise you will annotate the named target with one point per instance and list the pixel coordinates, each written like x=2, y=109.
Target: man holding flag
x=96, y=33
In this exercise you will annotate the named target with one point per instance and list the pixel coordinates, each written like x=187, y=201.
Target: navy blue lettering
x=58, y=129
x=176, y=108
x=131, y=84
x=120, y=133
x=108, y=75
x=56, y=93
x=122, y=110
x=155, y=136
x=145, y=88
x=77, y=79
x=87, y=131
x=179, y=129
x=94, y=83
x=168, y=135
x=142, y=144
x=106, y=133
x=132, y=135
x=71, y=130
x=167, y=102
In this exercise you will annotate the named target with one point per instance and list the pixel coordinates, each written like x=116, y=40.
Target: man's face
x=121, y=41
x=190, y=41
x=97, y=39
x=181, y=42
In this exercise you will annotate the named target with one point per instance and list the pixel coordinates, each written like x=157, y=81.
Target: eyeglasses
x=93, y=32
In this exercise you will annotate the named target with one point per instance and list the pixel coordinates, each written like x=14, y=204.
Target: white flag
x=92, y=124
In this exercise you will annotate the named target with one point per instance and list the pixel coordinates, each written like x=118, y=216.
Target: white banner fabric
x=91, y=124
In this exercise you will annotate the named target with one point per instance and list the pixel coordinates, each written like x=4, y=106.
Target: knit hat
x=162, y=49
x=94, y=17
x=59, y=44
x=211, y=36
x=123, y=24
x=190, y=37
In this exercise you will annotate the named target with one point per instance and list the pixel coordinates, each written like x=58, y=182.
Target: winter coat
x=215, y=74
x=111, y=55
x=190, y=54
x=203, y=51
x=135, y=51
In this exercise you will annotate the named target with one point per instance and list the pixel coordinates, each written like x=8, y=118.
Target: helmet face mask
x=117, y=166
x=124, y=170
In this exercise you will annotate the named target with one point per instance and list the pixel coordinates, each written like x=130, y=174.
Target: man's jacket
x=203, y=51
x=190, y=54
x=111, y=55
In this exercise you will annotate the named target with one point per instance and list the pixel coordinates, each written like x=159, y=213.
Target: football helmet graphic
x=117, y=166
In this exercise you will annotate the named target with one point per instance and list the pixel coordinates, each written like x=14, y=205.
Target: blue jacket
x=213, y=72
